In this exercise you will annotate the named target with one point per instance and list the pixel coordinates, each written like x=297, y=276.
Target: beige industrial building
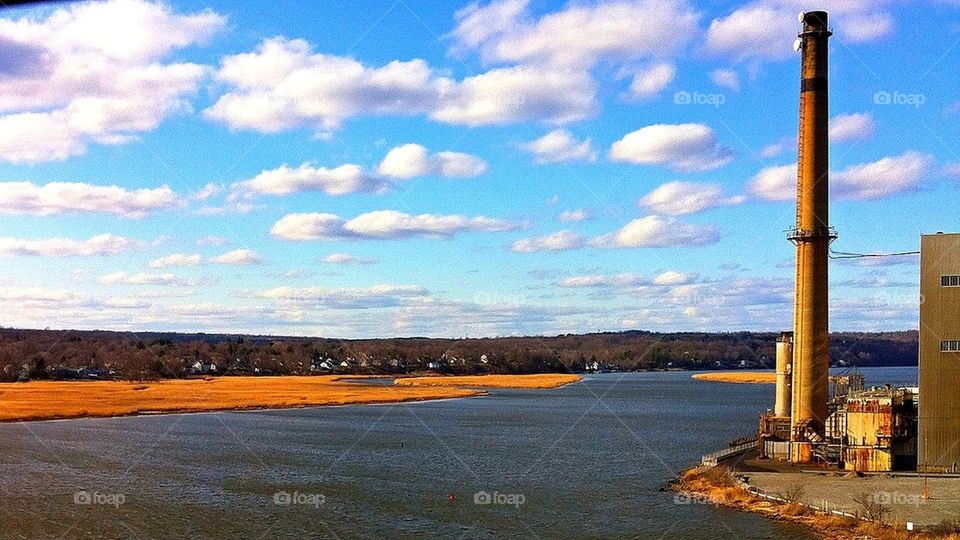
x=938, y=439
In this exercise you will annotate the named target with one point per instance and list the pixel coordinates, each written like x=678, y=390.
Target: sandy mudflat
x=544, y=380
x=49, y=400
x=748, y=377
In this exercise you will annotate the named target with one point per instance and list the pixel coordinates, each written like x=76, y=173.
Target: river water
x=584, y=461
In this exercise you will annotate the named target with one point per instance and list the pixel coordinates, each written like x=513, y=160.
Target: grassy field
x=48, y=400
x=743, y=377
x=544, y=380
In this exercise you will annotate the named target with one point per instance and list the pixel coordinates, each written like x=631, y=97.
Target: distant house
x=204, y=367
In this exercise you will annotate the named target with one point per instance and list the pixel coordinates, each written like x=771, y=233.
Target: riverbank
x=533, y=382
x=740, y=377
x=52, y=400
x=720, y=486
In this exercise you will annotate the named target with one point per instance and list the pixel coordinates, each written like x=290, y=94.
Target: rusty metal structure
x=784, y=367
x=880, y=430
x=812, y=237
x=939, y=423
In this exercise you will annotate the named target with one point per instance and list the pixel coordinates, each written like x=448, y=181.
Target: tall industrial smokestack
x=812, y=236
x=781, y=406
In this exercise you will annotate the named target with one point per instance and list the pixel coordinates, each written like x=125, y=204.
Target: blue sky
x=431, y=168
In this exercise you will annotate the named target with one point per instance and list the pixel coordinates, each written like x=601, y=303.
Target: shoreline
x=737, y=377
x=719, y=485
x=41, y=401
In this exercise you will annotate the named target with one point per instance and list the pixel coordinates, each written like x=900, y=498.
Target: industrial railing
x=824, y=508
x=711, y=460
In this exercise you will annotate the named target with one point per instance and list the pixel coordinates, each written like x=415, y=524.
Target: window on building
x=950, y=345
x=950, y=281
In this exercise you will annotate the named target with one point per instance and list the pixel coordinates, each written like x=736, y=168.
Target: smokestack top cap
x=814, y=20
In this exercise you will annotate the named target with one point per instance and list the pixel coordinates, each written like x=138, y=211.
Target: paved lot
x=901, y=494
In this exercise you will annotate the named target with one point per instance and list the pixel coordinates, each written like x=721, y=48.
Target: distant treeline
x=38, y=354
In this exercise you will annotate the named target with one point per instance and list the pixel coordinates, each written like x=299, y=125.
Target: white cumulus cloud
x=94, y=73
x=285, y=180
x=100, y=245
x=679, y=198
x=726, y=78
x=71, y=197
x=658, y=232
x=650, y=81
x=684, y=147
x=382, y=224
x=578, y=35
x=411, y=160
x=851, y=127
x=559, y=146
x=238, y=257
x=888, y=176
x=346, y=258
x=177, y=259
x=143, y=278
x=558, y=241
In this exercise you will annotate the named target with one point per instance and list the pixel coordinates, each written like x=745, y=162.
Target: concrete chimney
x=812, y=236
x=784, y=367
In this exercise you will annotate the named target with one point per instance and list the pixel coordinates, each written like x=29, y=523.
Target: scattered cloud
x=93, y=73
x=558, y=241
x=559, y=146
x=100, y=245
x=285, y=180
x=647, y=232
x=626, y=280
x=572, y=216
x=73, y=197
x=211, y=241
x=658, y=232
x=683, y=147
x=379, y=296
x=851, y=127
x=882, y=178
x=726, y=78
x=775, y=183
x=142, y=278
x=777, y=148
x=516, y=94
x=238, y=257
x=347, y=259
x=382, y=225
x=177, y=259
x=411, y=160
x=401, y=163
x=579, y=35
x=284, y=85
x=746, y=34
x=650, y=81
x=678, y=198
x=952, y=170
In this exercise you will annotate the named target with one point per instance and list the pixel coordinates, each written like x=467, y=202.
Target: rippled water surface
x=583, y=461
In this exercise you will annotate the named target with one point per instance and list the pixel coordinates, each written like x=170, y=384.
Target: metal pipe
x=812, y=236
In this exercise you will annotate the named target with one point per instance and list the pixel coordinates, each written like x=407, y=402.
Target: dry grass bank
x=47, y=400
x=718, y=485
x=745, y=377
x=542, y=380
